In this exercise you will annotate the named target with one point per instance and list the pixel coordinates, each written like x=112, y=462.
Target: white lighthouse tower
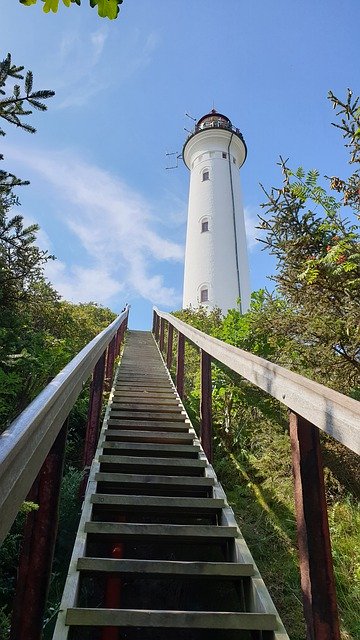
x=216, y=264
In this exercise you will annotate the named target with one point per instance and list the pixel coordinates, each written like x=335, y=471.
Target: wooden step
x=217, y=570
x=122, y=385
x=149, y=447
x=142, y=402
x=148, y=425
x=149, y=415
x=151, y=503
x=141, y=393
x=171, y=406
x=151, y=479
x=126, y=435
x=182, y=463
x=163, y=466
x=171, y=619
x=201, y=533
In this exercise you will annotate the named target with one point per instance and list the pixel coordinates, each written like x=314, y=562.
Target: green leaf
x=50, y=5
x=28, y=3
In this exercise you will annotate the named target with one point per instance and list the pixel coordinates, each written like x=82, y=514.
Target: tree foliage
x=106, y=8
x=317, y=247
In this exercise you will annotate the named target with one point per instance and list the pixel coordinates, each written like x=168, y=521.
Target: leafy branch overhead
x=106, y=8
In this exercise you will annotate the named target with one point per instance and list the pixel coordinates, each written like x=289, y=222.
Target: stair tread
x=196, y=481
x=160, y=462
x=175, y=416
x=149, y=446
x=170, y=619
x=214, y=569
x=142, y=425
x=141, y=401
x=138, y=434
x=158, y=501
x=198, y=531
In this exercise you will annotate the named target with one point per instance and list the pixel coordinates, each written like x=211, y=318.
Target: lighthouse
x=216, y=263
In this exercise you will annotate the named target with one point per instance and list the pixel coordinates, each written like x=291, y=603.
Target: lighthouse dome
x=213, y=120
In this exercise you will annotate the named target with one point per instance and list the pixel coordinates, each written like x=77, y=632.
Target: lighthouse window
x=205, y=175
x=204, y=226
x=234, y=160
x=204, y=295
x=224, y=155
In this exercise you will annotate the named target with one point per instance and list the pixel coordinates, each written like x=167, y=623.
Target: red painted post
x=316, y=568
x=169, y=346
x=119, y=338
x=157, y=326
x=113, y=590
x=110, y=359
x=180, y=365
x=93, y=419
x=38, y=545
x=205, y=405
x=162, y=334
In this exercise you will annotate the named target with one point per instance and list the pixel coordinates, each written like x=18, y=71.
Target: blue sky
x=107, y=207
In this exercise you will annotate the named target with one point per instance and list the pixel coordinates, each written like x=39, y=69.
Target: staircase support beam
x=180, y=365
x=162, y=335
x=93, y=419
x=110, y=359
x=169, y=346
x=316, y=568
x=205, y=405
x=38, y=546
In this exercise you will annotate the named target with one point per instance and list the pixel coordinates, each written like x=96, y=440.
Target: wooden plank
x=138, y=402
x=200, y=532
x=330, y=411
x=180, y=463
x=143, y=393
x=135, y=406
x=145, y=479
x=158, y=502
x=149, y=447
x=149, y=436
x=171, y=619
x=148, y=426
x=149, y=415
x=223, y=570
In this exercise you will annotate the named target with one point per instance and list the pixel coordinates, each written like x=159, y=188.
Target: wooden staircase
x=158, y=554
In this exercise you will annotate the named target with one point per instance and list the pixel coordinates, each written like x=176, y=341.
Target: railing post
x=93, y=419
x=154, y=322
x=162, y=334
x=38, y=545
x=180, y=365
x=120, y=337
x=205, y=405
x=157, y=322
x=316, y=568
x=169, y=346
x=110, y=359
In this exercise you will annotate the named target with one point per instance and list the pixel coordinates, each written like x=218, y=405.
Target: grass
x=259, y=487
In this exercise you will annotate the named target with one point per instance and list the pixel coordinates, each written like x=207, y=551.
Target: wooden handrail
x=26, y=442
x=330, y=411
x=313, y=407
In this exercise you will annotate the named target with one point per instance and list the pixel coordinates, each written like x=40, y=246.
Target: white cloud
x=113, y=223
x=78, y=73
x=98, y=39
x=251, y=222
x=80, y=284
